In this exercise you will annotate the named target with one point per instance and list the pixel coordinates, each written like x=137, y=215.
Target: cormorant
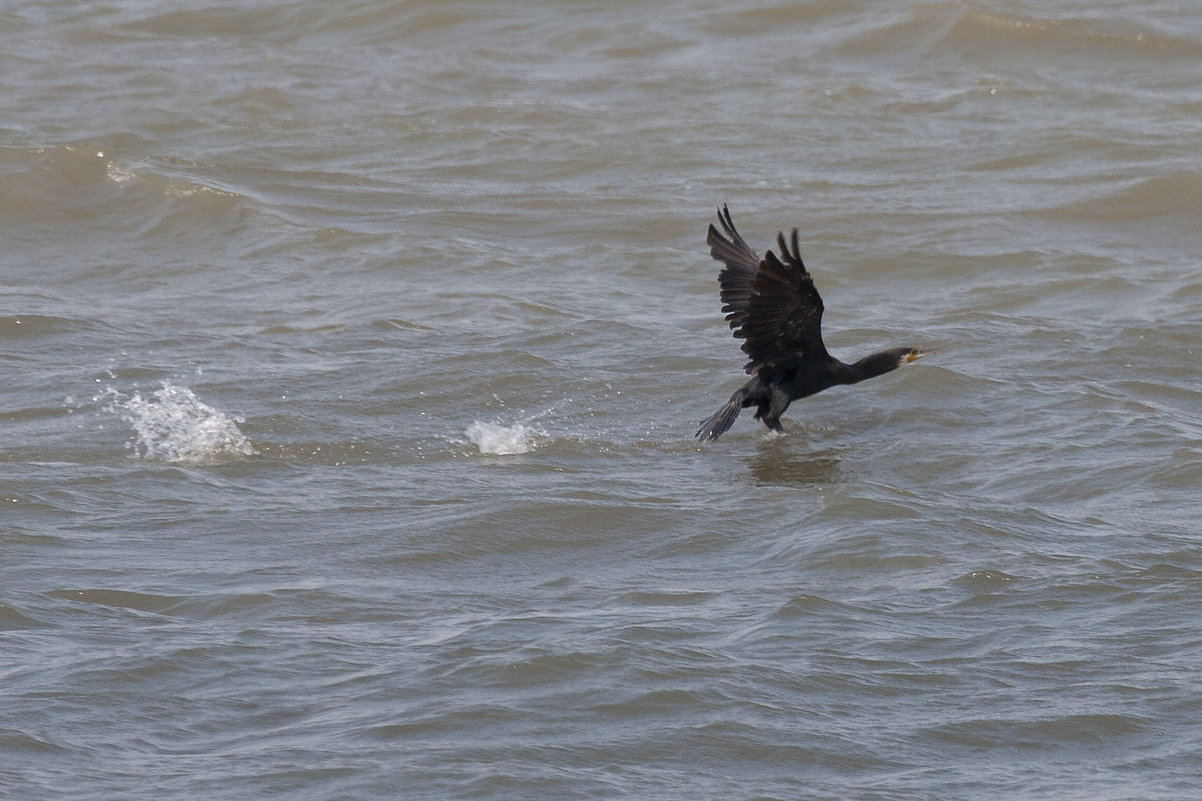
x=772, y=305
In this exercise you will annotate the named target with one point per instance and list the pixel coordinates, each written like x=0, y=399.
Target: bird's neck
x=868, y=367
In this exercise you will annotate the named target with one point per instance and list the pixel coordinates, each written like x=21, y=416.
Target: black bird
x=772, y=305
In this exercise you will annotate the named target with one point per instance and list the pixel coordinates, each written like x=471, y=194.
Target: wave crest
x=502, y=440
x=172, y=425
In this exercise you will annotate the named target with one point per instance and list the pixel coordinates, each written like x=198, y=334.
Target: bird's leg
x=771, y=411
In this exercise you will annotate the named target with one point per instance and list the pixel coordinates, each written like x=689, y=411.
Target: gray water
x=353, y=353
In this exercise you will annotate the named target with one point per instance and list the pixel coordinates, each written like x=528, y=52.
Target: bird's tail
x=713, y=426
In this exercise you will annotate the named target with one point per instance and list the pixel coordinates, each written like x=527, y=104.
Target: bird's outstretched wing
x=771, y=304
x=739, y=274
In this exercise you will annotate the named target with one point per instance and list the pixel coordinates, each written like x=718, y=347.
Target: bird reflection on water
x=773, y=464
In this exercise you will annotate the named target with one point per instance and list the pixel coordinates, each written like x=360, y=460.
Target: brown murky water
x=353, y=354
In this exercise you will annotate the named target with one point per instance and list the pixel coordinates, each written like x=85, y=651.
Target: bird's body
x=772, y=305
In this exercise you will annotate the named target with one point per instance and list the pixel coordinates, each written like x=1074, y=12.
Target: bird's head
x=896, y=357
x=883, y=362
x=907, y=355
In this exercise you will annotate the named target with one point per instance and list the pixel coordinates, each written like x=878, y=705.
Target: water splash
x=502, y=440
x=173, y=425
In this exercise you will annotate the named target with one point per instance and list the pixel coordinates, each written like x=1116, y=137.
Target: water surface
x=354, y=352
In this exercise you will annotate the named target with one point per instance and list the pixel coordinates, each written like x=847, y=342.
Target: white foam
x=502, y=440
x=173, y=425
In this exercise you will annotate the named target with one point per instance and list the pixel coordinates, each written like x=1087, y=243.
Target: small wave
x=173, y=425
x=82, y=184
x=1165, y=197
x=954, y=28
x=502, y=440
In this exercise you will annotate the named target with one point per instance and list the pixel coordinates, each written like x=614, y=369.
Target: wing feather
x=771, y=304
x=737, y=276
